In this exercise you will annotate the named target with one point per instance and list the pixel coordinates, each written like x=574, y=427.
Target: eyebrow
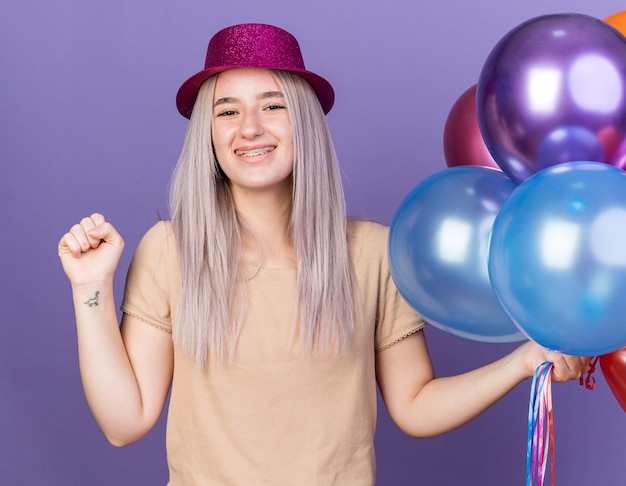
x=262, y=96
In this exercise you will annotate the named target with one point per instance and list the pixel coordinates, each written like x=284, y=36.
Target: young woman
x=269, y=314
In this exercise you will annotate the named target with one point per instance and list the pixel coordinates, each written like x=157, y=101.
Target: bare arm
x=126, y=372
x=423, y=406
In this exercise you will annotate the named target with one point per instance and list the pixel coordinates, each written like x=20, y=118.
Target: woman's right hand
x=90, y=251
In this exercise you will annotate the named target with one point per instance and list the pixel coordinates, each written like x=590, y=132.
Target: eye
x=225, y=113
x=275, y=106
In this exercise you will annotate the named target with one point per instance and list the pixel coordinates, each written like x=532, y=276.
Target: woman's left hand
x=565, y=368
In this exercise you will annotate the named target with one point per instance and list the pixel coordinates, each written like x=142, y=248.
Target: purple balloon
x=549, y=90
x=567, y=144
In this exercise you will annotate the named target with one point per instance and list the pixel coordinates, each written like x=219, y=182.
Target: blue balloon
x=557, y=258
x=438, y=252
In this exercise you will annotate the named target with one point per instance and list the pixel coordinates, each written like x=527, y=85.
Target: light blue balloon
x=438, y=252
x=557, y=258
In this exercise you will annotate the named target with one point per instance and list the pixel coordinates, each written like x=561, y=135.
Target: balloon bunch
x=523, y=235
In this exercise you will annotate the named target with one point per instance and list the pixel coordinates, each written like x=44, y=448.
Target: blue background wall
x=88, y=123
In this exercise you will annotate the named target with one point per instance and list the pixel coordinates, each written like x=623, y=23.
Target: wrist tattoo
x=94, y=300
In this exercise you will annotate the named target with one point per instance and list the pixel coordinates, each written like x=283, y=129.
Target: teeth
x=252, y=153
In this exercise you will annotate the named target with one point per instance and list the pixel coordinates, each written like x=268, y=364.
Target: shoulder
x=363, y=229
x=159, y=232
x=368, y=240
x=157, y=240
x=360, y=231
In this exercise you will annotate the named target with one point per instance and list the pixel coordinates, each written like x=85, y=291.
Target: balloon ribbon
x=590, y=381
x=540, y=416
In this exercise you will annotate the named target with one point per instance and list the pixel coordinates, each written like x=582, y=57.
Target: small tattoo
x=94, y=300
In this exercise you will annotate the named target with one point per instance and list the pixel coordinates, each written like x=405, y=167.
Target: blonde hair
x=208, y=233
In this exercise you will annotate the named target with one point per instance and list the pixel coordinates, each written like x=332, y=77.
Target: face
x=252, y=135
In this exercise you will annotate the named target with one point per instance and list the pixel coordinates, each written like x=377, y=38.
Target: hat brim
x=188, y=92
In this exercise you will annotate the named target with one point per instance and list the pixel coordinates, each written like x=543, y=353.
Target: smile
x=254, y=152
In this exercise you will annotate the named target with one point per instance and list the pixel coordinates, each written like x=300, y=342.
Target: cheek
x=218, y=153
x=287, y=138
x=220, y=143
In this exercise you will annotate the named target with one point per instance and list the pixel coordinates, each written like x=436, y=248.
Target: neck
x=266, y=216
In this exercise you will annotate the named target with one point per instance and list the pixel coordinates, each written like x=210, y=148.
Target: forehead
x=245, y=80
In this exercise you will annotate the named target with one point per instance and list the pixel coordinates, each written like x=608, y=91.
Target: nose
x=251, y=125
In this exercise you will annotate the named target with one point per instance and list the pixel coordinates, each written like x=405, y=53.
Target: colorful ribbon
x=540, y=415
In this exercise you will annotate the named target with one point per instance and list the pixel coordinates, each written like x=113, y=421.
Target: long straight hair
x=209, y=232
